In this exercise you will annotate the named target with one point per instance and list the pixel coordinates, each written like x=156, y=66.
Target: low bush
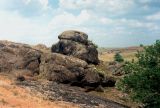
x=143, y=77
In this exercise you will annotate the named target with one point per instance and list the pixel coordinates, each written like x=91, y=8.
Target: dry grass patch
x=18, y=97
x=112, y=93
x=108, y=57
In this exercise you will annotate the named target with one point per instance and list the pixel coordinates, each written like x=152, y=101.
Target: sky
x=108, y=23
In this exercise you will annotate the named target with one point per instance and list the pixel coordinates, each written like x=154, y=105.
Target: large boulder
x=16, y=56
x=61, y=68
x=75, y=43
x=74, y=36
x=66, y=69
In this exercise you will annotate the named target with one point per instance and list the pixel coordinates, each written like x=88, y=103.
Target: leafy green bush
x=118, y=57
x=143, y=77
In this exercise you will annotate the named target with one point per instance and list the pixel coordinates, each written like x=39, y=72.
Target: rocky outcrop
x=70, y=70
x=51, y=66
x=75, y=43
x=16, y=56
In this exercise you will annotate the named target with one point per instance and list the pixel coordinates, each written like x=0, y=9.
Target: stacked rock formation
x=76, y=44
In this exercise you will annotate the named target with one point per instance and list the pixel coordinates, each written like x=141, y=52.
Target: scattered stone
x=20, y=78
x=116, y=68
x=108, y=82
x=99, y=89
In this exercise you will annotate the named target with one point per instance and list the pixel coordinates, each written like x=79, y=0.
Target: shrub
x=118, y=57
x=143, y=77
x=141, y=45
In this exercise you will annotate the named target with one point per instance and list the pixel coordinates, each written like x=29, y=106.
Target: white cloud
x=23, y=20
x=145, y=1
x=26, y=7
x=67, y=4
x=43, y=3
x=68, y=19
x=136, y=24
x=155, y=16
x=105, y=20
x=16, y=28
x=130, y=23
x=145, y=25
x=26, y=1
x=118, y=6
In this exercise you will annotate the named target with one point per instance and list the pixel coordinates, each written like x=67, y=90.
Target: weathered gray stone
x=75, y=43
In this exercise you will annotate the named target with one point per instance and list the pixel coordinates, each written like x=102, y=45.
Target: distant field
x=128, y=53
x=128, y=56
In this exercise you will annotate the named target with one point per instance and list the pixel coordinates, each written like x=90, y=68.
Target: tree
x=141, y=45
x=118, y=57
x=143, y=77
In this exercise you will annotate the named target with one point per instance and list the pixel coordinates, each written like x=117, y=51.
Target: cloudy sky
x=109, y=23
